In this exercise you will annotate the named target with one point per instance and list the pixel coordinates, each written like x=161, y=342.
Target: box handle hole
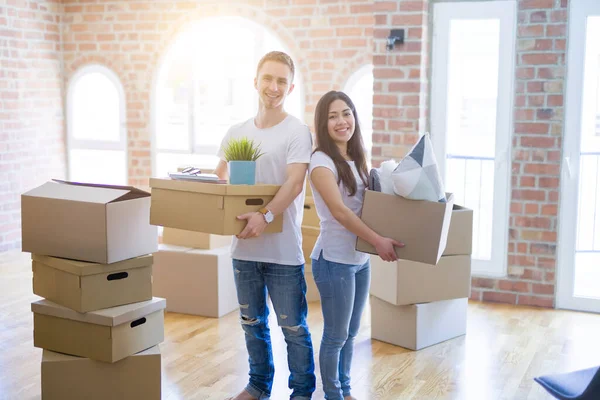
x=117, y=276
x=138, y=322
x=254, y=202
x=307, y=207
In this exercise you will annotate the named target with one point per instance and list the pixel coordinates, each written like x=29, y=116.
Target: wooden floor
x=203, y=358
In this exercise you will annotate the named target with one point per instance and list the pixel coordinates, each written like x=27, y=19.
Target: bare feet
x=350, y=398
x=243, y=395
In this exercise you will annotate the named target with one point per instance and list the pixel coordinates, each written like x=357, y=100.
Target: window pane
x=204, y=87
x=98, y=166
x=95, y=109
x=361, y=94
x=471, y=112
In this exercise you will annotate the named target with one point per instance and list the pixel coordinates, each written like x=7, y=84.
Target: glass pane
x=587, y=257
x=169, y=162
x=206, y=88
x=471, y=122
x=361, y=93
x=98, y=166
x=95, y=109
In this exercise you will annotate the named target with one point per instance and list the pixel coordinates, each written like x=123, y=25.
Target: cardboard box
x=310, y=218
x=312, y=292
x=309, y=239
x=408, y=282
x=419, y=325
x=84, y=287
x=88, y=222
x=197, y=240
x=105, y=335
x=460, y=233
x=421, y=225
x=208, y=207
x=197, y=282
x=308, y=191
x=69, y=377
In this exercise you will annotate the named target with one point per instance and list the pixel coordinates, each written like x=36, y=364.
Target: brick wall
x=325, y=37
x=31, y=112
x=400, y=104
x=330, y=39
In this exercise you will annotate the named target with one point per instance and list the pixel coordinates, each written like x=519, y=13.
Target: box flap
x=132, y=192
x=52, y=356
x=214, y=188
x=83, y=268
x=108, y=317
x=86, y=194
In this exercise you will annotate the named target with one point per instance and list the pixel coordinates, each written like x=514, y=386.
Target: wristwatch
x=269, y=217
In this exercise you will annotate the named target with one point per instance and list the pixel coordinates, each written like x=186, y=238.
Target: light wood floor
x=203, y=358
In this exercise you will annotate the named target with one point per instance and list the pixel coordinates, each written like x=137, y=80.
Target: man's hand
x=255, y=226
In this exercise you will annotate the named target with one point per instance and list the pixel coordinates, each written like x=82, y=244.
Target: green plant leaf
x=242, y=149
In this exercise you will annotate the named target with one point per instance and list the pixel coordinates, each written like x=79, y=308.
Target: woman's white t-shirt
x=337, y=243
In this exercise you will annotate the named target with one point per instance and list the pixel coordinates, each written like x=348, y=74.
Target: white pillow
x=417, y=176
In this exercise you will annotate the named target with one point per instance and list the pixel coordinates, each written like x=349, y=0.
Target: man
x=274, y=263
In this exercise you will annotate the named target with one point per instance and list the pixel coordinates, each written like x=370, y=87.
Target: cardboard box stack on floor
x=421, y=299
x=310, y=233
x=193, y=271
x=98, y=324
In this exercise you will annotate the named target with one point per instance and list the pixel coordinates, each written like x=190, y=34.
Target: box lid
x=214, y=188
x=51, y=356
x=108, y=317
x=85, y=192
x=83, y=268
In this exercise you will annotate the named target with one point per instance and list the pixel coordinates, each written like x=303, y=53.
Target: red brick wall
x=330, y=40
x=31, y=112
x=129, y=37
x=400, y=103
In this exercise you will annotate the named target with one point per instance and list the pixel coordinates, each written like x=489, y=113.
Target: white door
x=579, y=224
x=471, y=124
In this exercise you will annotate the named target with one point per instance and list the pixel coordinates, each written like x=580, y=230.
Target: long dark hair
x=325, y=143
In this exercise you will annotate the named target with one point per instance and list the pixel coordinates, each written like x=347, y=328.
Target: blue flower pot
x=242, y=172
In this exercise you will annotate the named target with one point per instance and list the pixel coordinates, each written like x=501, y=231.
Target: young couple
x=273, y=264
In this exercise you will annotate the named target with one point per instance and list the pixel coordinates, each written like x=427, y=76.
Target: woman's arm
x=325, y=184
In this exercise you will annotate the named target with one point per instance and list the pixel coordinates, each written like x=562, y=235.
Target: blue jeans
x=287, y=289
x=344, y=290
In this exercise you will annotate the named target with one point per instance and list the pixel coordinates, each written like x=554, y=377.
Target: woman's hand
x=385, y=248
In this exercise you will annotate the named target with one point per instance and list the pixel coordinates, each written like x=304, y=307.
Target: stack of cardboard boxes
x=192, y=268
x=99, y=325
x=310, y=233
x=421, y=299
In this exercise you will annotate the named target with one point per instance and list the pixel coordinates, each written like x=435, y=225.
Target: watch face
x=269, y=217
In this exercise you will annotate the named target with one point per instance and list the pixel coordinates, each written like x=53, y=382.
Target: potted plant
x=241, y=155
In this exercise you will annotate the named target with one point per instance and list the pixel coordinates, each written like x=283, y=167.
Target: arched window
x=206, y=84
x=96, y=130
x=360, y=89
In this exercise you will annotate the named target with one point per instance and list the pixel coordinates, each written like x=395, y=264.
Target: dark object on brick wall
x=396, y=36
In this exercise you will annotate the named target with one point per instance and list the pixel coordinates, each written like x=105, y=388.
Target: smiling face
x=340, y=122
x=273, y=83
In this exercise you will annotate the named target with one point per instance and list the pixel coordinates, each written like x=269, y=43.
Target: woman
x=338, y=177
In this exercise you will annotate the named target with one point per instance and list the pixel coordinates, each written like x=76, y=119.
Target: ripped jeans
x=287, y=289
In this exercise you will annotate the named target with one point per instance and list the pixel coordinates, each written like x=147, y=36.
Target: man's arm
x=221, y=170
x=292, y=187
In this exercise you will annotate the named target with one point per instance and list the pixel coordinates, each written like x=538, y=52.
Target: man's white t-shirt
x=288, y=142
x=337, y=243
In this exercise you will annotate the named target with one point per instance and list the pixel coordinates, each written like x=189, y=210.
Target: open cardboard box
x=88, y=222
x=107, y=335
x=421, y=225
x=70, y=377
x=83, y=286
x=208, y=207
